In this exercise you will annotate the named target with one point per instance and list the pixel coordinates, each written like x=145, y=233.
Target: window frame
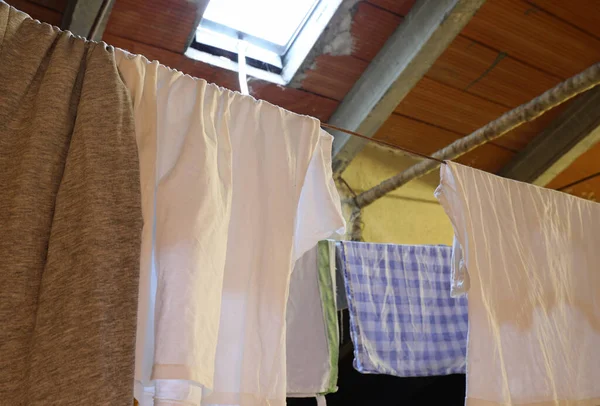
x=271, y=62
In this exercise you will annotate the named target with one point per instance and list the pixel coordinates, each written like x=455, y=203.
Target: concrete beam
x=423, y=36
x=570, y=135
x=87, y=18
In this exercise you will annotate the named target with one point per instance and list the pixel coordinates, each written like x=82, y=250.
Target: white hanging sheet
x=532, y=255
x=233, y=191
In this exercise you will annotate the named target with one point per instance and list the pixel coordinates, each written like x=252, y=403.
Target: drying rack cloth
x=534, y=315
x=312, y=326
x=403, y=321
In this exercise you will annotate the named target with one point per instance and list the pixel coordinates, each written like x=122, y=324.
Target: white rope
x=242, y=75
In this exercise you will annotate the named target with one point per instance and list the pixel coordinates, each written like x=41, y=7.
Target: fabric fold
x=460, y=281
x=70, y=216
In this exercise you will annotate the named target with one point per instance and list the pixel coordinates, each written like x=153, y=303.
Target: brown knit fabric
x=70, y=220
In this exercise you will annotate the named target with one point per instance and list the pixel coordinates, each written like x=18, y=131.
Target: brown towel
x=70, y=220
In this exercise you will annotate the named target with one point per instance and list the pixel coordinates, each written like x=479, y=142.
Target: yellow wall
x=409, y=215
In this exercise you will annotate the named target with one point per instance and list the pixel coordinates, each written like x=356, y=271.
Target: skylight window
x=273, y=36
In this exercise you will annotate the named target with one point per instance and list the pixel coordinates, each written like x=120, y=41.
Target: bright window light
x=275, y=21
x=276, y=35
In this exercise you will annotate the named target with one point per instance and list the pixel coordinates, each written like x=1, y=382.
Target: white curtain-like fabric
x=533, y=259
x=233, y=191
x=184, y=148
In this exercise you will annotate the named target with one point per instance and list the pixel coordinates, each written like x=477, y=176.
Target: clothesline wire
x=377, y=141
x=562, y=188
x=510, y=120
x=352, y=192
x=577, y=182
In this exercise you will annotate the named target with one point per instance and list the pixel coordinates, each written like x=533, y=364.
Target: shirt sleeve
x=319, y=212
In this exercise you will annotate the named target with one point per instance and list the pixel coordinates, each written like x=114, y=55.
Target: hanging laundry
x=312, y=326
x=234, y=190
x=403, y=321
x=534, y=315
x=70, y=219
x=185, y=169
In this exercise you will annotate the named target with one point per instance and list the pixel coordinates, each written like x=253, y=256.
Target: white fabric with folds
x=233, y=190
x=533, y=258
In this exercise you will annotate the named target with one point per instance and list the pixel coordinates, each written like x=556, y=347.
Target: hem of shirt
x=585, y=402
x=147, y=395
x=181, y=372
x=302, y=395
x=371, y=370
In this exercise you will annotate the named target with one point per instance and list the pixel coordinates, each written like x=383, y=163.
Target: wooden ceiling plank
x=404, y=59
x=534, y=36
x=449, y=108
x=580, y=13
x=295, y=100
x=333, y=76
x=590, y=189
x=426, y=138
x=461, y=112
x=569, y=136
x=400, y=7
x=521, y=136
x=166, y=24
x=37, y=12
x=486, y=72
x=57, y=5
x=587, y=164
x=487, y=157
x=371, y=27
x=415, y=135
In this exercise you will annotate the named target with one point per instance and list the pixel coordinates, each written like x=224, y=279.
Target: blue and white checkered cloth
x=403, y=321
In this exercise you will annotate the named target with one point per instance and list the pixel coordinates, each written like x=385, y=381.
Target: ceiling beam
x=87, y=18
x=411, y=50
x=570, y=135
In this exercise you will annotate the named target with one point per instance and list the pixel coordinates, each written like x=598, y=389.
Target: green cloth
x=326, y=266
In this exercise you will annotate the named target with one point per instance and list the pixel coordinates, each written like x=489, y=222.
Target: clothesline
x=377, y=141
x=496, y=128
x=510, y=120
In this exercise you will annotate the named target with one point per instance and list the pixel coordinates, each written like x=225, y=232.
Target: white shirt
x=533, y=258
x=234, y=190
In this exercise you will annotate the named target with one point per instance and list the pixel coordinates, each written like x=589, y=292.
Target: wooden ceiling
x=510, y=52
x=49, y=11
